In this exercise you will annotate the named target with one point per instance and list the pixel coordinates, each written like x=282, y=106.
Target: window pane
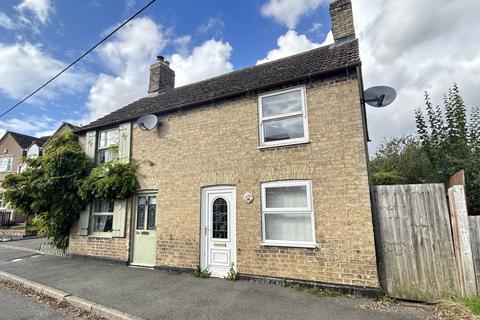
x=288, y=227
x=220, y=219
x=284, y=129
x=102, y=223
x=286, y=197
x=283, y=103
x=152, y=209
x=101, y=205
x=108, y=138
x=106, y=155
x=142, y=204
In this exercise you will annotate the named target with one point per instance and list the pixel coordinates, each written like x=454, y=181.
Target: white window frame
x=92, y=221
x=11, y=163
x=99, y=148
x=262, y=120
x=306, y=210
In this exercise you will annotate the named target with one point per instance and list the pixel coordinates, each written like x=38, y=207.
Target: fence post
x=461, y=240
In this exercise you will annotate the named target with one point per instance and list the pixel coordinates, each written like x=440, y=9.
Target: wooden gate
x=417, y=258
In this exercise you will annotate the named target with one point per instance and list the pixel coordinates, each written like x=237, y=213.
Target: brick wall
x=218, y=145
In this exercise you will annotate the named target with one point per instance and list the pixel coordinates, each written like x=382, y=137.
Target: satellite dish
x=147, y=122
x=380, y=96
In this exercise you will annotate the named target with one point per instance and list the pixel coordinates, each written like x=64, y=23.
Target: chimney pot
x=342, y=20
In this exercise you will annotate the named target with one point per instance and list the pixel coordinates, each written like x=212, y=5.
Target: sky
x=411, y=45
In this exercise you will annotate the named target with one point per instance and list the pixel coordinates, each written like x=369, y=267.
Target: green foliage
x=204, y=274
x=473, y=304
x=111, y=181
x=232, y=273
x=447, y=141
x=49, y=188
x=401, y=161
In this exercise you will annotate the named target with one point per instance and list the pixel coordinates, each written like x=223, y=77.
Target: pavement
x=156, y=294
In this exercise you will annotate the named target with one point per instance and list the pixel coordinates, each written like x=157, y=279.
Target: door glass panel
x=142, y=203
x=152, y=209
x=220, y=219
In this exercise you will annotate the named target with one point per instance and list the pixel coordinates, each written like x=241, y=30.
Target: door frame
x=133, y=223
x=204, y=215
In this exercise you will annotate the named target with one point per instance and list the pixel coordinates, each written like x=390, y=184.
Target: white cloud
x=37, y=126
x=207, y=60
x=414, y=46
x=25, y=66
x=40, y=9
x=292, y=43
x=6, y=22
x=128, y=56
x=289, y=12
x=181, y=44
x=316, y=28
x=214, y=25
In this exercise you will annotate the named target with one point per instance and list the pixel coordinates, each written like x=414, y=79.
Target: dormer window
x=283, y=118
x=107, y=146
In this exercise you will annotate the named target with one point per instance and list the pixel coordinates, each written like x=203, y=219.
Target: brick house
x=263, y=169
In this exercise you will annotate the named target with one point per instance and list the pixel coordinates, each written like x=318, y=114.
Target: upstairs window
x=283, y=118
x=107, y=146
x=6, y=164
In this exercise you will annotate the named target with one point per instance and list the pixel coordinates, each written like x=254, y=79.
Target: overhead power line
x=79, y=58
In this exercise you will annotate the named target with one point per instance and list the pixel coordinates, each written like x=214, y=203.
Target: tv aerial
x=380, y=96
x=147, y=122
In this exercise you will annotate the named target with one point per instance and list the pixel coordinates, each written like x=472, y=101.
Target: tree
x=447, y=141
x=401, y=161
x=48, y=188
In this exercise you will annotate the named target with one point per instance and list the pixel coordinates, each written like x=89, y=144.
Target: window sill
x=285, y=144
x=102, y=236
x=290, y=245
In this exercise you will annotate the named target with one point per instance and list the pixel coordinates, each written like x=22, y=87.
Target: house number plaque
x=248, y=197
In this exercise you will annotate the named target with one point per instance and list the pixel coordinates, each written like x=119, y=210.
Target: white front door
x=218, y=230
x=144, y=231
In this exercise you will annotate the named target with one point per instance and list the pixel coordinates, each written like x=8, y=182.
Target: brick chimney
x=162, y=78
x=342, y=20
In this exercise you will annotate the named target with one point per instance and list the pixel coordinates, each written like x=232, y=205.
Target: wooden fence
x=414, y=237
x=474, y=224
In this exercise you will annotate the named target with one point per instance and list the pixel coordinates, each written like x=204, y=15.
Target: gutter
x=308, y=76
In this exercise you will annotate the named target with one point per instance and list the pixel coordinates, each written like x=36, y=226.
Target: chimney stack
x=342, y=20
x=162, y=78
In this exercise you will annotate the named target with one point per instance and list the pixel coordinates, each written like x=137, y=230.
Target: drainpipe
x=376, y=226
